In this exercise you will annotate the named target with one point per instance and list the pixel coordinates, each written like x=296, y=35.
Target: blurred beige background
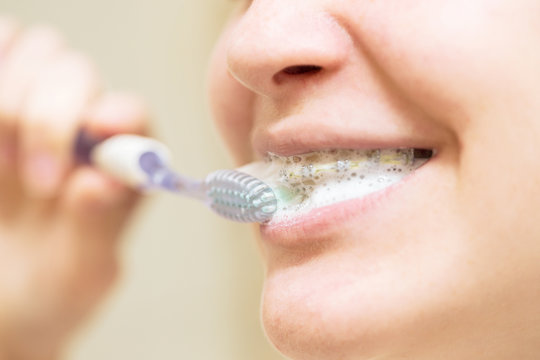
x=191, y=281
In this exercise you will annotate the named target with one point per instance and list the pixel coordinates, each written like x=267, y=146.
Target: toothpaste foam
x=305, y=182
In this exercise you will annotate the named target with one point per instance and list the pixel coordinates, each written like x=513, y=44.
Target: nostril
x=302, y=69
x=296, y=70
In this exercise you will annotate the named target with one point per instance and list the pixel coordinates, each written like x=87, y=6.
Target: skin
x=59, y=221
x=447, y=269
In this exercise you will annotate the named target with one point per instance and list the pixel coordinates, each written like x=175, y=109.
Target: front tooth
x=343, y=165
x=397, y=156
x=374, y=155
x=307, y=171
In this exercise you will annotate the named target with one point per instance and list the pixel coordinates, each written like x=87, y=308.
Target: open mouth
x=306, y=182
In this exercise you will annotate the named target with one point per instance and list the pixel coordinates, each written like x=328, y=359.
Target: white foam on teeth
x=305, y=182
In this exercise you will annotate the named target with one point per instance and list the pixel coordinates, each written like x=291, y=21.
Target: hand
x=59, y=221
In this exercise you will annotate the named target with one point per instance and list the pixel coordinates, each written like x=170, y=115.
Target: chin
x=352, y=302
x=305, y=321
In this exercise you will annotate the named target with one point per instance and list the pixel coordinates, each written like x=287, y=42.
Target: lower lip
x=319, y=224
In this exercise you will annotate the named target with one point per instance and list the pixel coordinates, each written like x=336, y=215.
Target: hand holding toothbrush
x=59, y=222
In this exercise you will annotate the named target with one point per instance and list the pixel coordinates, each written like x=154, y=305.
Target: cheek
x=231, y=103
x=474, y=67
x=457, y=54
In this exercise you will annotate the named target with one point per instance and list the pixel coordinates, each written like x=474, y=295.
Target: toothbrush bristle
x=240, y=197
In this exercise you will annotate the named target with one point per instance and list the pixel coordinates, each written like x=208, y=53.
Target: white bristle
x=240, y=197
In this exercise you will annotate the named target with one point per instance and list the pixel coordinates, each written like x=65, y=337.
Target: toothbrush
x=144, y=163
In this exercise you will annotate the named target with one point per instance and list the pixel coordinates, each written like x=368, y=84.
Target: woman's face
x=445, y=265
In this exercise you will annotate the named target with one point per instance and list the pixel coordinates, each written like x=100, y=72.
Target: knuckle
x=42, y=34
x=9, y=28
x=64, y=87
x=35, y=44
x=75, y=68
x=25, y=59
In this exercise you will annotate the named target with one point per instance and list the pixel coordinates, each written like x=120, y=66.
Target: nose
x=276, y=44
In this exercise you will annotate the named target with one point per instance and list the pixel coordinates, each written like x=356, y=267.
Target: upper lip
x=301, y=133
x=289, y=137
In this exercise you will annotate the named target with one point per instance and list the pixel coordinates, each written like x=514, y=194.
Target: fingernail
x=42, y=174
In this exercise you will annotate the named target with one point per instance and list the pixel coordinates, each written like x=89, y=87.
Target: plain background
x=191, y=282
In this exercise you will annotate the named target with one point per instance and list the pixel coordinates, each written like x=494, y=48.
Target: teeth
x=305, y=182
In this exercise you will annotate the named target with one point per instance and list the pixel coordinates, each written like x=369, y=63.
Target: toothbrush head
x=240, y=197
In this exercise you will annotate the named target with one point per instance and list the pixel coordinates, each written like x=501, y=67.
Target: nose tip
x=270, y=49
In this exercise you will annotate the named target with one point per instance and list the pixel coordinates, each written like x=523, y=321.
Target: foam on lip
x=309, y=181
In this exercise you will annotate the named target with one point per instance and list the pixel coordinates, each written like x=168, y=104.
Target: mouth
x=310, y=182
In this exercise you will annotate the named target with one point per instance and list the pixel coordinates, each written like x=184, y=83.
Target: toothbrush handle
x=144, y=163
x=137, y=161
x=160, y=175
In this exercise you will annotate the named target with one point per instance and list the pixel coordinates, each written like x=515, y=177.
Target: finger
x=112, y=113
x=91, y=195
x=51, y=117
x=8, y=33
x=117, y=113
x=9, y=29
x=27, y=57
x=97, y=205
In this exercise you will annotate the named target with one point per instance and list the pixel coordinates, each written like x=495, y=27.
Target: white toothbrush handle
x=137, y=161
x=120, y=157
